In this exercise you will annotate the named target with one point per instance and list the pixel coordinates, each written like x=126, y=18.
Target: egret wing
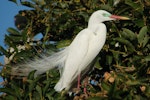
x=77, y=52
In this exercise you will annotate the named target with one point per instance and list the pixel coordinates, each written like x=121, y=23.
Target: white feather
x=41, y=65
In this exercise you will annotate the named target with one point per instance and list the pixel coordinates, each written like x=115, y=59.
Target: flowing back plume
x=41, y=65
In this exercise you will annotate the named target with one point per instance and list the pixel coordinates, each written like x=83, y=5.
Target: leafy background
x=122, y=67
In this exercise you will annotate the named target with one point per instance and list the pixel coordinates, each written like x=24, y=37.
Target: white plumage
x=78, y=55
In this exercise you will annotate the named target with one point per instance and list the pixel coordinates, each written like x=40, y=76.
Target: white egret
x=78, y=55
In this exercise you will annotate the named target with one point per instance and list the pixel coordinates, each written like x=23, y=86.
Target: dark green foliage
x=122, y=68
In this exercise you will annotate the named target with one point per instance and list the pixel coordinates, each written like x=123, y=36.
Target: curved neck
x=93, y=21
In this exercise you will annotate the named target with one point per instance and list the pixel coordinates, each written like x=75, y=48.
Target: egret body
x=85, y=47
x=80, y=53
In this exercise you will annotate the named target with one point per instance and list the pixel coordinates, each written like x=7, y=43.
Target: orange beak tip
x=125, y=18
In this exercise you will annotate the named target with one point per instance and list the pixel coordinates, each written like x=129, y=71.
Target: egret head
x=102, y=15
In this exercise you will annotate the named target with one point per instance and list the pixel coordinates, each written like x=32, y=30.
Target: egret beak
x=119, y=17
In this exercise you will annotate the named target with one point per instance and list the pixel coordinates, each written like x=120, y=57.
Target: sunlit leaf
x=31, y=75
x=39, y=90
x=147, y=58
x=28, y=4
x=105, y=86
x=13, y=31
x=97, y=65
x=145, y=41
x=63, y=43
x=129, y=45
x=129, y=34
x=142, y=34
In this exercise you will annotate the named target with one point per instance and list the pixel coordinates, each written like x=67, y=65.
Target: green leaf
x=129, y=45
x=3, y=51
x=63, y=43
x=46, y=86
x=10, y=97
x=40, y=2
x=137, y=6
x=31, y=75
x=147, y=92
x=49, y=96
x=38, y=88
x=28, y=4
x=142, y=34
x=8, y=91
x=106, y=7
x=31, y=85
x=16, y=39
x=64, y=5
x=16, y=90
x=139, y=22
x=13, y=31
x=109, y=59
x=105, y=86
x=24, y=36
x=145, y=41
x=113, y=92
x=133, y=82
x=115, y=55
x=96, y=63
x=9, y=41
x=128, y=34
x=147, y=58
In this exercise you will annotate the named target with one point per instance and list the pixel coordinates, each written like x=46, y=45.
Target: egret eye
x=106, y=15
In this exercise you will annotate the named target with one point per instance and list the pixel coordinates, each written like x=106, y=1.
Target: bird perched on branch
x=75, y=58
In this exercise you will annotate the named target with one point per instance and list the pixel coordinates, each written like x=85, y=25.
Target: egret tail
x=41, y=65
